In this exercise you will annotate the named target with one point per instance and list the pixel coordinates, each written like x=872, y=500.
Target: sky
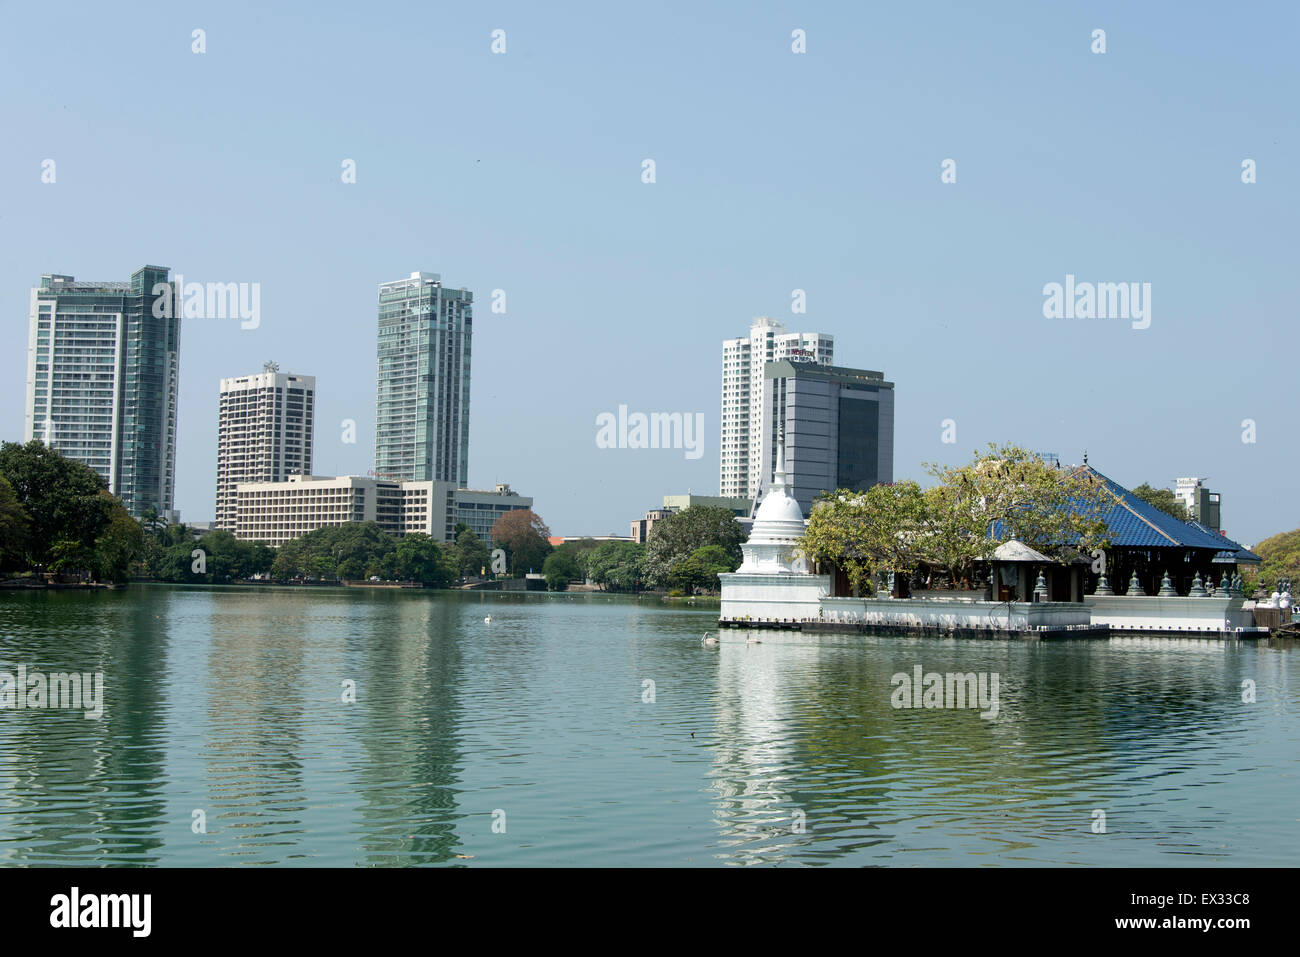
x=774, y=171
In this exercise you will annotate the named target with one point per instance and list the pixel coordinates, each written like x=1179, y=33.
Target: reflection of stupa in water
x=773, y=581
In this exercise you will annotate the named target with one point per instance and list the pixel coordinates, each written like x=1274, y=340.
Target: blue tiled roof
x=1133, y=523
x=1232, y=551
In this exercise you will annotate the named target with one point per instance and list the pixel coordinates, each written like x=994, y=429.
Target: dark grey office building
x=838, y=423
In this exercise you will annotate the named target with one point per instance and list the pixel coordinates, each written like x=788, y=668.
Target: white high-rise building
x=102, y=373
x=744, y=425
x=264, y=433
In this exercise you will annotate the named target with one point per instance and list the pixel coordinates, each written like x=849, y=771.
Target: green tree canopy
x=119, y=544
x=421, y=559
x=700, y=569
x=61, y=499
x=865, y=533
x=1281, y=554
x=472, y=555
x=616, y=566
x=673, y=539
x=350, y=550
x=14, y=528
x=560, y=568
x=1009, y=492
x=579, y=552
x=1005, y=493
x=220, y=560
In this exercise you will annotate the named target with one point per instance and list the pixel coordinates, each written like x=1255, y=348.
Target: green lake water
x=598, y=730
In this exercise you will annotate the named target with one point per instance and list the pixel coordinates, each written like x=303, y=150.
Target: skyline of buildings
x=265, y=428
x=423, y=380
x=102, y=373
x=102, y=382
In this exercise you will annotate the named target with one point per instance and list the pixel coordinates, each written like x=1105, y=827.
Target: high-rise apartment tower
x=102, y=368
x=422, y=393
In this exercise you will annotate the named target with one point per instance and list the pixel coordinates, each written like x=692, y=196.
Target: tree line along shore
x=59, y=523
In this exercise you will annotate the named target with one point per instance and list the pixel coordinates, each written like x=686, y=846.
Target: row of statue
x=1227, y=588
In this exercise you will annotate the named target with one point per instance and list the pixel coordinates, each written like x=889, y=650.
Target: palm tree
x=152, y=521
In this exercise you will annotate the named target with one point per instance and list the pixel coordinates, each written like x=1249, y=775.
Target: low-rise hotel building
x=277, y=512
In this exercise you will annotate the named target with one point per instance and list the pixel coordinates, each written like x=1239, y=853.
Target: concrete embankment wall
x=955, y=613
x=1171, y=614
x=917, y=615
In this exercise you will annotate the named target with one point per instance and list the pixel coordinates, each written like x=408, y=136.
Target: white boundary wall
x=1152, y=613
x=955, y=613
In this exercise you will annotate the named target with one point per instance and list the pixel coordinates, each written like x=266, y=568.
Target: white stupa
x=778, y=524
x=773, y=582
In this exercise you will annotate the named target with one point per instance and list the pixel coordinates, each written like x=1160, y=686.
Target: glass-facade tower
x=422, y=389
x=102, y=373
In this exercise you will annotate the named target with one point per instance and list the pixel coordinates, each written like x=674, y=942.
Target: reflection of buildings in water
x=767, y=790
x=253, y=748
x=1120, y=693
x=90, y=789
x=409, y=676
x=805, y=723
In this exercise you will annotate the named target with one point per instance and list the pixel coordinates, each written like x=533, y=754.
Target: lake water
x=535, y=740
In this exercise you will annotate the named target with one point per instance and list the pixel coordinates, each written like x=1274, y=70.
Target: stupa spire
x=778, y=477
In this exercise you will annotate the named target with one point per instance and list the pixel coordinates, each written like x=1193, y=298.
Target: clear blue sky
x=775, y=171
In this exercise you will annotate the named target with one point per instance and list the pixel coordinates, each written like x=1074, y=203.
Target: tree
x=14, y=527
x=419, y=558
x=62, y=501
x=352, y=568
x=616, y=566
x=118, y=544
x=560, y=568
x=577, y=552
x=348, y=551
x=472, y=556
x=175, y=564
x=1005, y=493
x=1009, y=492
x=867, y=533
x=150, y=521
x=681, y=533
x=384, y=566
x=1281, y=555
x=1164, y=500
x=285, y=565
x=700, y=569
x=524, y=536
